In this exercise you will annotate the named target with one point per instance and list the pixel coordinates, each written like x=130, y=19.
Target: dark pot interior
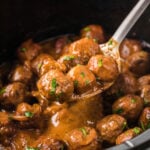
x=21, y=19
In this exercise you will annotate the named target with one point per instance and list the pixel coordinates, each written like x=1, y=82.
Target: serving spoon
x=111, y=48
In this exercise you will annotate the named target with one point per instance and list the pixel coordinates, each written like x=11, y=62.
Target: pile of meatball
x=43, y=80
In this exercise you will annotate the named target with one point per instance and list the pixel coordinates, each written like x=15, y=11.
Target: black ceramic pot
x=41, y=19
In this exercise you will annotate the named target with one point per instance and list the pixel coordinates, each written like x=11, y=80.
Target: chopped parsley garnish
x=31, y=148
x=84, y=132
x=118, y=111
x=76, y=83
x=28, y=114
x=39, y=66
x=87, y=82
x=124, y=125
x=87, y=29
x=133, y=100
x=136, y=130
x=2, y=91
x=68, y=57
x=100, y=63
x=23, y=49
x=110, y=42
x=53, y=86
x=82, y=74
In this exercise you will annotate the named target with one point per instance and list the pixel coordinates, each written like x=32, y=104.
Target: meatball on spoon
x=111, y=48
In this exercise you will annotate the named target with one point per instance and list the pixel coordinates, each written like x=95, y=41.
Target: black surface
x=40, y=19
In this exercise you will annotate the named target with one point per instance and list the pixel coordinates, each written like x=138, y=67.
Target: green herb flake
x=31, y=148
x=84, y=132
x=136, y=130
x=124, y=125
x=28, y=114
x=76, y=83
x=87, y=29
x=82, y=74
x=110, y=42
x=2, y=91
x=142, y=126
x=68, y=58
x=100, y=63
x=23, y=49
x=118, y=111
x=87, y=82
x=53, y=86
x=133, y=100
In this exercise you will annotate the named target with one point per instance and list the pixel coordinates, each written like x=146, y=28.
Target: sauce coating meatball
x=55, y=85
x=104, y=67
x=13, y=94
x=28, y=50
x=144, y=120
x=82, y=77
x=43, y=63
x=128, y=47
x=110, y=127
x=128, y=135
x=84, y=138
x=95, y=32
x=83, y=49
x=128, y=106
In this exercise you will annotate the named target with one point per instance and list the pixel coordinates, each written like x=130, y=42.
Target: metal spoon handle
x=130, y=20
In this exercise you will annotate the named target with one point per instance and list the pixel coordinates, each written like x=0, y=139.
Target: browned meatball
x=104, y=67
x=145, y=94
x=95, y=32
x=128, y=47
x=84, y=138
x=44, y=62
x=144, y=80
x=128, y=135
x=84, y=80
x=138, y=63
x=84, y=49
x=128, y=106
x=55, y=85
x=13, y=94
x=46, y=142
x=144, y=119
x=28, y=50
x=21, y=74
x=6, y=126
x=125, y=83
x=110, y=127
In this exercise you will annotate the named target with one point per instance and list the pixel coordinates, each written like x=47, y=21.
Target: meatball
x=128, y=135
x=84, y=80
x=21, y=74
x=43, y=63
x=84, y=49
x=28, y=50
x=110, y=127
x=13, y=94
x=128, y=106
x=84, y=138
x=144, y=80
x=7, y=128
x=144, y=119
x=55, y=85
x=138, y=63
x=47, y=142
x=145, y=94
x=95, y=32
x=125, y=83
x=104, y=67
x=128, y=47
